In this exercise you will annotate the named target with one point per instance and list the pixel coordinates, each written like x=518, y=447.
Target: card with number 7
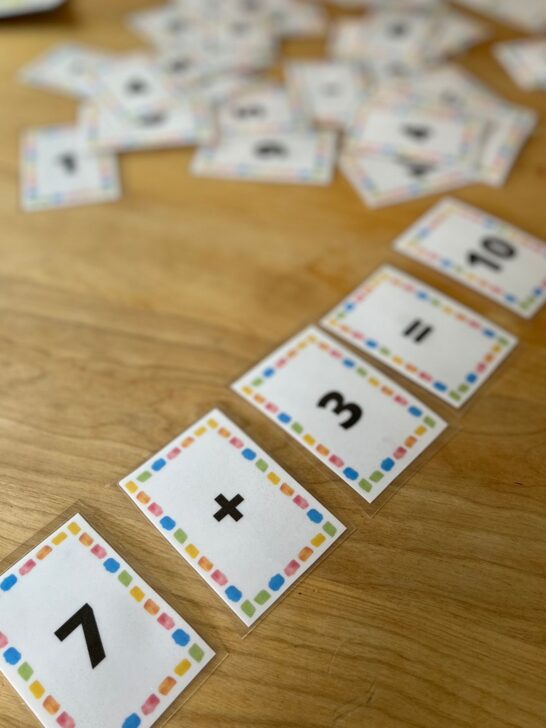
x=86, y=641
x=357, y=421
x=485, y=253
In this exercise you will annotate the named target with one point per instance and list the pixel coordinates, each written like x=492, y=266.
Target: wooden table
x=121, y=324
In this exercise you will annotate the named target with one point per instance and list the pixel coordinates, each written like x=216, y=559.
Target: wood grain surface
x=121, y=324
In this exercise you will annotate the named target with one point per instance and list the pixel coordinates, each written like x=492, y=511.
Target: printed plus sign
x=228, y=508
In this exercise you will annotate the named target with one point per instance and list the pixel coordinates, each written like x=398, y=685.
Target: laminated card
x=86, y=641
x=242, y=522
x=357, y=421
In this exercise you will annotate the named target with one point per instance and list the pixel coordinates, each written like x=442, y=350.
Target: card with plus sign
x=430, y=338
x=241, y=521
x=86, y=642
x=353, y=418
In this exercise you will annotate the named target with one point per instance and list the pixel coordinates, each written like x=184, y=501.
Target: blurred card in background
x=10, y=8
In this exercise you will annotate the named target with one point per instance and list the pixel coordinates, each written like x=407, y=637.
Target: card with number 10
x=487, y=254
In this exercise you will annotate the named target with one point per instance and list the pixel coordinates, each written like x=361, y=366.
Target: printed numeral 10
x=497, y=248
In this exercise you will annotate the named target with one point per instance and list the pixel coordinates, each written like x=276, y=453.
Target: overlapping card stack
x=400, y=124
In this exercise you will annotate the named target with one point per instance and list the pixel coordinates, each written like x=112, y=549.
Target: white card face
x=525, y=61
x=59, y=169
x=10, y=8
x=242, y=522
x=329, y=91
x=386, y=180
x=86, y=642
x=262, y=110
x=65, y=68
x=527, y=14
x=487, y=254
x=164, y=25
x=457, y=33
x=506, y=133
x=294, y=158
x=186, y=123
x=357, y=421
x=396, y=33
x=132, y=86
x=430, y=338
x=216, y=89
x=447, y=86
x=415, y=134
x=302, y=19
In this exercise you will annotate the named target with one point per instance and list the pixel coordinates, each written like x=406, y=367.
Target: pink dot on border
x=27, y=566
x=150, y=705
x=165, y=621
x=98, y=551
x=292, y=567
x=219, y=578
x=65, y=721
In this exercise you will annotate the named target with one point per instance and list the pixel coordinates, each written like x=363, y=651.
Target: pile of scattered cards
x=247, y=527
x=525, y=61
x=234, y=515
x=400, y=125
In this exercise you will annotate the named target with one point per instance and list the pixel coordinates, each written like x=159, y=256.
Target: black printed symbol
x=228, y=507
x=240, y=28
x=418, y=331
x=419, y=132
x=498, y=248
x=178, y=65
x=271, y=149
x=177, y=25
x=136, y=86
x=331, y=88
x=85, y=618
x=153, y=118
x=68, y=162
x=250, y=111
x=251, y=6
x=451, y=98
x=354, y=410
x=397, y=69
x=417, y=169
x=397, y=30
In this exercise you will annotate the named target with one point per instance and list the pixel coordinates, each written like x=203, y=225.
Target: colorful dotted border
x=522, y=126
x=286, y=420
x=297, y=74
x=471, y=132
x=179, y=537
x=109, y=185
x=472, y=379
x=25, y=671
x=204, y=164
x=202, y=132
x=365, y=184
x=444, y=210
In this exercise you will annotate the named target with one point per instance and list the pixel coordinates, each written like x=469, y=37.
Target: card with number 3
x=86, y=641
x=353, y=418
x=242, y=522
x=487, y=254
